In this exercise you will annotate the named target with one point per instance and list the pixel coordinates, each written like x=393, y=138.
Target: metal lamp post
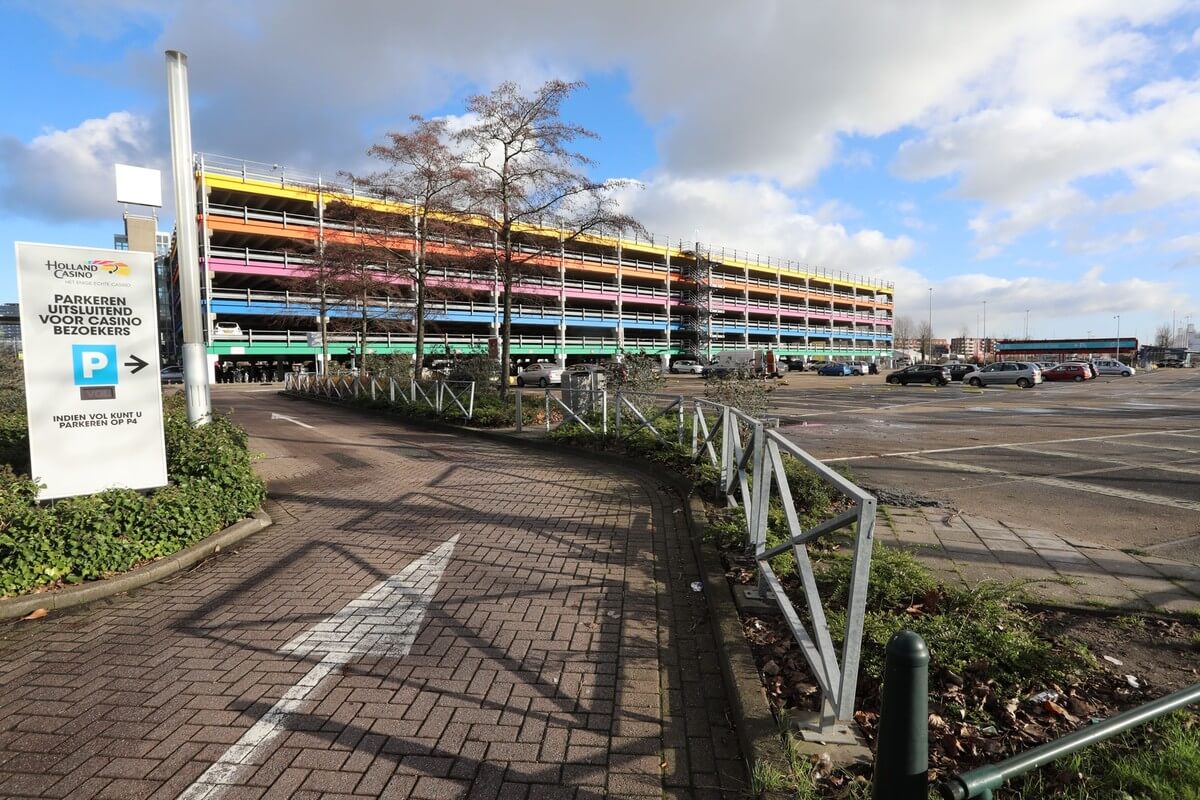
x=1118, y=319
x=195, y=357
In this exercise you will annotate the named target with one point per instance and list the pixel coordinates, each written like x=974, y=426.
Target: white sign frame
x=93, y=393
x=138, y=186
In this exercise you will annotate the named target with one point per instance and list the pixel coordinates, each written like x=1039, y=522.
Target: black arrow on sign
x=137, y=365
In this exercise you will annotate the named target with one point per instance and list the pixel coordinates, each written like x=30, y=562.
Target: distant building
x=1066, y=349
x=972, y=348
x=168, y=342
x=10, y=327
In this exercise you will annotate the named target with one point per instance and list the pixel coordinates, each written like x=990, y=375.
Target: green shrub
x=212, y=485
x=978, y=629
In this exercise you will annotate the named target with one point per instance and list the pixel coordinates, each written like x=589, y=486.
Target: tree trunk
x=323, y=326
x=419, y=278
x=362, y=348
x=506, y=324
x=419, y=352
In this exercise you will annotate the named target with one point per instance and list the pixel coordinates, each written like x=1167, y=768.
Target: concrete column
x=667, y=259
x=562, y=304
x=620, y=302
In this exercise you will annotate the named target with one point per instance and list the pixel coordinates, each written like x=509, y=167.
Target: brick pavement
x=966, y=549
x=564, y=654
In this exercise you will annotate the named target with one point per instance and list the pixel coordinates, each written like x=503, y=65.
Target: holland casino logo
x=87, y=269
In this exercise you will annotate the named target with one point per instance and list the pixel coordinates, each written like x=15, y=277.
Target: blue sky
x=1036, y=156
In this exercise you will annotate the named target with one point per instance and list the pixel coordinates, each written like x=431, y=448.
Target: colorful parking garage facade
x=593, y=298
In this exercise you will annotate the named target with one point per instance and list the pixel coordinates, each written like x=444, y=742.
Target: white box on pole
x=89, y=329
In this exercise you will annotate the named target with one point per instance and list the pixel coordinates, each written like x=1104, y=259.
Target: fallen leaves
x=37, y=614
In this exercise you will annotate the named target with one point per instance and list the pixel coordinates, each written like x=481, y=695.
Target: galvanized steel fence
x=749, y=455
x=449, y=398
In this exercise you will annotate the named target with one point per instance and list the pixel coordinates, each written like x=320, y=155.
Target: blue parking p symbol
x=94, y=364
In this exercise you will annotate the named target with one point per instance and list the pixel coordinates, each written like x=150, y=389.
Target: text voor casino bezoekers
x=89, y=315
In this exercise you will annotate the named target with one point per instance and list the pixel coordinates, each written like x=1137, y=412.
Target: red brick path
x=565, y=654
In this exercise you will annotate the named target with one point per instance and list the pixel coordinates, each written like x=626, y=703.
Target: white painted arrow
x=291, y=420
x=382, y=621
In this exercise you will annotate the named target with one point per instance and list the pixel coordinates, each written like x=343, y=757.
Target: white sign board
x=89, y=328
x=139, y=186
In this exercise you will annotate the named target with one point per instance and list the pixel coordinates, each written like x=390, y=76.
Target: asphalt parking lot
x=1114, y=460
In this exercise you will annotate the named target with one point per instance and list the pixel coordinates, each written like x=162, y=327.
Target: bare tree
x=366, y=283
x=319, y=280
x=527, y=175
x=902, y=333
x=424, y=186
x=1162, y=336
x=925, y=334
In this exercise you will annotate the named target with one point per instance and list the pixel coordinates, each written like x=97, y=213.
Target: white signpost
x=89, y=328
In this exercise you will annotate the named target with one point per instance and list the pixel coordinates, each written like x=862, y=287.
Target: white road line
x=384, y=621
x=1166, y=466
x=291, y=420
x=1063, y=483
x=905, y=453
x=1156, y=446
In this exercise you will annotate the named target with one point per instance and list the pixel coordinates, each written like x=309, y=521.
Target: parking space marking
x=1155, y=446
x=906, y=453
x=1165, y=466
x=1064, y=483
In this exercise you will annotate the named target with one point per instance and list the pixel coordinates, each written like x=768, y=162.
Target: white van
x=1110, y=366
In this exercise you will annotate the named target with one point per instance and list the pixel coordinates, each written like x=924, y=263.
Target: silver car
x=1021, y=373
x=540, y=374
x=1110, y=366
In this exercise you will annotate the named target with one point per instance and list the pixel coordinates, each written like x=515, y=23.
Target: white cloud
x=68, y=174
x=760, y=218
x=1057, y=307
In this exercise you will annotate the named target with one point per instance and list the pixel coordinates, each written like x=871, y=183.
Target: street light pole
x=930, y=324
x=195, y=359
x=1027, y=324
x=1118, y=319
x=983, y=341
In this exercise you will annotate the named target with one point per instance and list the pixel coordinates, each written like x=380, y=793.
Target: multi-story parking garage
x=594, y=298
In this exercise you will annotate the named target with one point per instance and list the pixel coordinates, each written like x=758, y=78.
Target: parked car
x=688, y=367
x=835, y=368
x=1022, y=373
x=1068, y=372
x=859, y=367
x=1110, y=366
x=540, y=374
x=588, y=368
x=935, y=374
x=960, y=371
x=1088, y=365
x=720, y=371
x=227, y=330
x=1045, y=365
x=1170, y=363
x=171, y=375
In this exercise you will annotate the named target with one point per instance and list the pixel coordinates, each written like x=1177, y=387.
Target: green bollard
x=902, y=758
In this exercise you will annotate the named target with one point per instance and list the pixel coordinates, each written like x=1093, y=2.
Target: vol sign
x=89, y=328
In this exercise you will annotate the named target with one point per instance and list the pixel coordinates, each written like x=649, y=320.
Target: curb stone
x=55, y=600
x=757, y=729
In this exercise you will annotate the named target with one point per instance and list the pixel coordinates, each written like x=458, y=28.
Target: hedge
x=212, y=485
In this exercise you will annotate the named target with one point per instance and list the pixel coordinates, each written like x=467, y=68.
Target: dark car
x=933, y=374
x=958, y=371
x=833, y=368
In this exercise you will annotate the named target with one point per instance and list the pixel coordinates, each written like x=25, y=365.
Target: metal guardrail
x=452, y=398
x=749, y=456
x=902, y=761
